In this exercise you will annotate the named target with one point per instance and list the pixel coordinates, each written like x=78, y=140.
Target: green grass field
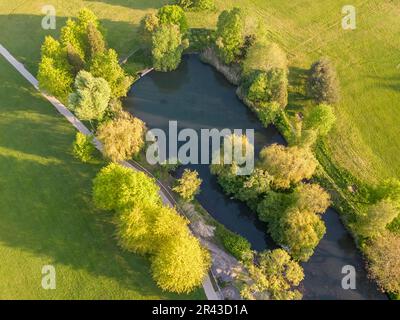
x=46, y=214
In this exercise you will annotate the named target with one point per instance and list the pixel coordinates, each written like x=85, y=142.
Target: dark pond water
x=198, y=97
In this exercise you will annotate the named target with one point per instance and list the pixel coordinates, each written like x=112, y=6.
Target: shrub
x=323, y=84
x=83, y=147
x=230, y=35
x=312, y=197
x=122, y=137
x=180, y=265
x=90, y=98
x=188, y=185
x=96, y=43
x=320, y=118
x=237, y=245
x=118, y=188
x=147, y=26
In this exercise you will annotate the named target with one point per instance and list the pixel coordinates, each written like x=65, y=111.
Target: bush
x=83, y=147
x=118, y=188
x=323, y=84
x=237, y=245
x=196, y=4
x=122, y=137
x=173, y=14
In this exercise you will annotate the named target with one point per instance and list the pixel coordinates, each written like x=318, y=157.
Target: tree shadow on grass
x=136, y=4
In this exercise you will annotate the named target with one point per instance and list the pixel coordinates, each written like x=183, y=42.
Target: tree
x=230, y=35
x=118, y=188
x=196, y=4
x=173, y=14
x=312, y=197
x=96, y=44
x=320, y=118
x=148, y=25
x=55, y=74
x=300, y=231
x=122, y=137
x=90, y=98
x=83, y=147
x=383, y=254
x=268, y=87
x=167, y=48
x=106, y=65
x=180, y=265
x=323, y=84
x=74, y=59
x=378, y=216
x=188, y=185
x=287, y=165
x=274, y=277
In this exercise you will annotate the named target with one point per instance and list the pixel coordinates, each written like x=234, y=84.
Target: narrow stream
x=198, y=97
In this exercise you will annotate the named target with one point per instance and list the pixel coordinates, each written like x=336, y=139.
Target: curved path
x=167, y=198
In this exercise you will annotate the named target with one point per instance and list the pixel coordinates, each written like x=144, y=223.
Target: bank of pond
x=198, y=97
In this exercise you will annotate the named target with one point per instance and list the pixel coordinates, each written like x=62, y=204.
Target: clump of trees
x=122, y=137
x=320, y=118
x=81, y=47
x=165, y=35
x=230, y=35
x=178, y=261
x=188, y=185
x=323, y=84
x=274, y=276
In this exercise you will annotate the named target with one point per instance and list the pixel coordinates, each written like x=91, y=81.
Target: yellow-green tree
x=122, y=137
x=188, y=185
x=180, y=265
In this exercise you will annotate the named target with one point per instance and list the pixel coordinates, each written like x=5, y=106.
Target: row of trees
x=178, y=261
x=80, y=69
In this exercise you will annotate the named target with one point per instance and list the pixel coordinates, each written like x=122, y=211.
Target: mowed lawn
x=365, y=139
x=46, y=215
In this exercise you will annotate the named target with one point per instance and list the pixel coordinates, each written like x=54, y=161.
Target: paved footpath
x=207, y=285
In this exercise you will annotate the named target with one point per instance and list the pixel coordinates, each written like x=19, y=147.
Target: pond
x=198, y=97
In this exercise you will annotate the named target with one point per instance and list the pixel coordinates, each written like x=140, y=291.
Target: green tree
x=167, y=48
x=122, y=137
x=287, y=165
x=323, y=84
x=74, y=59
x=83, y=147
x=90, y=98
x=148, y=25
x=118, y=188
x=300, y=231
x=106, y=65
x=188, y=185
x=55, y=74
x=320, y=118
x=180, y=265
x=274, y=277
x=230, y=34
x=377, y=217
x=96, y=43
x=173, y=14
x=312, y=197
